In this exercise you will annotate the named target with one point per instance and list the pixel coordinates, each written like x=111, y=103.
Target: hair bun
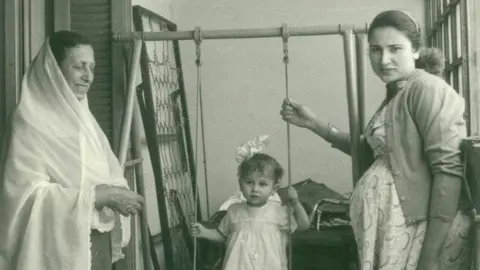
x=431, y=60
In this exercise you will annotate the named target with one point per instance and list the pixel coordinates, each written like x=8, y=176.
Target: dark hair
x=430, y=59
x=63, y=40
x=262, y=163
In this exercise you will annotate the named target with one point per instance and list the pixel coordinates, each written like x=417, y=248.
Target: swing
x=355, y=109
x=197, y=37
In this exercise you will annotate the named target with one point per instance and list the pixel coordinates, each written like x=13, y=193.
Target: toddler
x=256, y=230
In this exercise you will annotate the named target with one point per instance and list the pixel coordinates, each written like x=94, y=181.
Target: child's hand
x=197, y=230
x=292, y=194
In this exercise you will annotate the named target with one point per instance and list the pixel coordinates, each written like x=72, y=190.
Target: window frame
x=450, y=27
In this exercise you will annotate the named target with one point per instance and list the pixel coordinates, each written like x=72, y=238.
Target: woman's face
x=77, y=68
x=392, y=55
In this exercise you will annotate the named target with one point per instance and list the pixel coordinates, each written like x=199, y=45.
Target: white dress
x=257, y=237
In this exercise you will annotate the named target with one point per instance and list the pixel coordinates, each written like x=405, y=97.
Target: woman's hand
x=429, y=260
x=119, y=199
x=297, y=114
x=433, y=244
x=426, y=263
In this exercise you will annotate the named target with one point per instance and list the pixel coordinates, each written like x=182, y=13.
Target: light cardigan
x=425, y=127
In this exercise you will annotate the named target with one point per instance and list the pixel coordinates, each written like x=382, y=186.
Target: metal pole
x=127, y=117
x=238, y=33
x=136, y=127
x=140, y=183
x=361, y=78
x=349, y=50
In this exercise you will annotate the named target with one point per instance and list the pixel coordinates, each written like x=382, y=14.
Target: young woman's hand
x=297, y=114
x=428, y=262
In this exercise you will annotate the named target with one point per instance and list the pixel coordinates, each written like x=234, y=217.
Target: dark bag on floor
x=325, y=207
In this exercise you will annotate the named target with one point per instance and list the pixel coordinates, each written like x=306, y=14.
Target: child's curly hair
x=263, y=163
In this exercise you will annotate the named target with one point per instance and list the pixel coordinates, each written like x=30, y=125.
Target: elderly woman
x=406, y=210
x=64, y=201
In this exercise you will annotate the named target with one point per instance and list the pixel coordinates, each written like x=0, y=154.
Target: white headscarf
x=57, y=154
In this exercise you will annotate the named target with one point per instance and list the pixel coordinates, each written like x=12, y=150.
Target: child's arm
x=303, y=222
x=199, y=231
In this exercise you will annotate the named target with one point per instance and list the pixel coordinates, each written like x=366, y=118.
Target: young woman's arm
x=438, y=112
x=339, y=139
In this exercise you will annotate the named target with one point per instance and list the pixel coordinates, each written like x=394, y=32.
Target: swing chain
x=198, y=37
x=286, y=61
x=285, y=36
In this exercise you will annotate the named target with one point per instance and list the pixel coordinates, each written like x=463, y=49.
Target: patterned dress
x=257, y=237
x=384, y=240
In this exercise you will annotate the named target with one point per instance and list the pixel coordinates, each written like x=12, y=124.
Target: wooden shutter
x=92, y=18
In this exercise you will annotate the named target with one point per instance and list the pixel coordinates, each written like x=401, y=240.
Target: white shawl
x=56, y=155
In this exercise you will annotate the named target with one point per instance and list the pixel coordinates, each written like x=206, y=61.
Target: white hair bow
x=251, y=147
